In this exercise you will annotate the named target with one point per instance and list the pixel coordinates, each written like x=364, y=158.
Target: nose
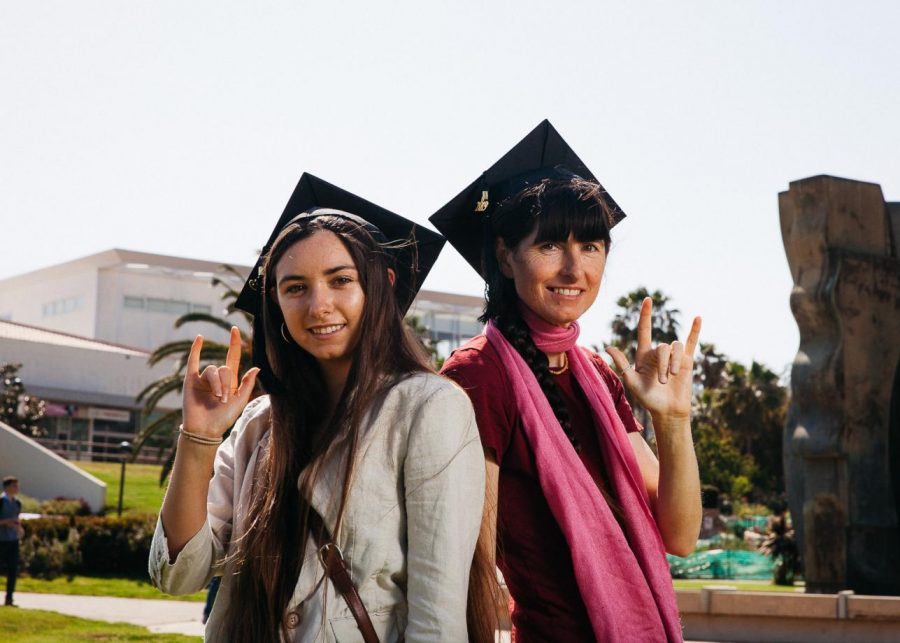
x=321, y=302
x=571, y=264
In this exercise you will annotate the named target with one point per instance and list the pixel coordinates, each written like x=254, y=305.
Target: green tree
x=753, y=405
x=18, y=408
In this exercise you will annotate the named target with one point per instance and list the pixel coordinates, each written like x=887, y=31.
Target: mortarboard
x=315, y=197
x=540, y=155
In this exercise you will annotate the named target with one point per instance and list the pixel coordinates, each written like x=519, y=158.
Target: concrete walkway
x=179, y=617
x=161, y=616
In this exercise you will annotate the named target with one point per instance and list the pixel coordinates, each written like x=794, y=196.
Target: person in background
x=579, y=510
x=10, y=533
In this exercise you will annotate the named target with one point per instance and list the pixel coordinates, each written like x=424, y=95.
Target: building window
x=62, y=306
x=134, y=302
x=167, y=306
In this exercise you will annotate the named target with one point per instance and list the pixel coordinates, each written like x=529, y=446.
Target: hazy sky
x=182, y=127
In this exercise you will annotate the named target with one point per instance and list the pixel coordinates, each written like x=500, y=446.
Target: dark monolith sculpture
x=843, y=431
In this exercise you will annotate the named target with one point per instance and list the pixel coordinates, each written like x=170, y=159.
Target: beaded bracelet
x=199, y=439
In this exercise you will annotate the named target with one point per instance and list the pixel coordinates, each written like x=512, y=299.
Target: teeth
x=326, y=330
x=566, y=291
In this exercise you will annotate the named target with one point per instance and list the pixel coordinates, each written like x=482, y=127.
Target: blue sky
x=181, y=128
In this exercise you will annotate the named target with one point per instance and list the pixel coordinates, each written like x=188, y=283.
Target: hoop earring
x=284, y=335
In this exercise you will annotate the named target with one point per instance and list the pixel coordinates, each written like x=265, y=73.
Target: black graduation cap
x=311, y=193
x=541, y=154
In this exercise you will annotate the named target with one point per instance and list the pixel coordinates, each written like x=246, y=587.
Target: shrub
x=65, y=507
x=90, y=545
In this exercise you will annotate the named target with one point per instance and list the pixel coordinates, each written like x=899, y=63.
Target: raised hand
x=213, y=400
x=661, y=378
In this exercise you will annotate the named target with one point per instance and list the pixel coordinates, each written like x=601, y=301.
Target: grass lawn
x=98, y=586
x=142, y=491
x=39, y=626
x=741, y=585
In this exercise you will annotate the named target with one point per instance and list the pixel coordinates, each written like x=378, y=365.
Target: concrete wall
x=24, y=299
x=721, y=614
x=115, y=376
x=44, y=475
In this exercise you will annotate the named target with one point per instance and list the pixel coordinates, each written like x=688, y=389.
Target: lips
x=325, y=331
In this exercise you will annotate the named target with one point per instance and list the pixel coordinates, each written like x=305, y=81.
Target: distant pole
x=125, y=449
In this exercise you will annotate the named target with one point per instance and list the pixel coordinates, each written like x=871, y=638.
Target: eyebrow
x=329, y=271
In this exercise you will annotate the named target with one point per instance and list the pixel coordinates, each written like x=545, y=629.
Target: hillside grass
x=142, y=491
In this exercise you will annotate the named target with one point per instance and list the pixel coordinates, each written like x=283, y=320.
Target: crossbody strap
x=336, y=569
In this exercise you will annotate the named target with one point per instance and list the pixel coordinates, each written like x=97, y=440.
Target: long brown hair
x=270, y=552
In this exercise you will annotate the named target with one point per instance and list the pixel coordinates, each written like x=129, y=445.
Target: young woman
x=356, y=433
x=584, y=512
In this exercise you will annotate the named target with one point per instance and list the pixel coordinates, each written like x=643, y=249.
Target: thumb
x=618, y=358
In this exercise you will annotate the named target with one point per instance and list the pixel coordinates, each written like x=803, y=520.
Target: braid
x=514, y=329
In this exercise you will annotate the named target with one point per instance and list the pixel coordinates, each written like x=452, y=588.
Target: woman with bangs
x=579, y=510
x=346, y=502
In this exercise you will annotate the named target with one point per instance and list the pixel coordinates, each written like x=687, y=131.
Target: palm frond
x=163, y=382
x=148, y=431
x=168, y=464
x=170, y=348
x=172, y=384
x=224, y=324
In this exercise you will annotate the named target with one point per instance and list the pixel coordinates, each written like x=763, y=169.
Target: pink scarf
x=623, y=579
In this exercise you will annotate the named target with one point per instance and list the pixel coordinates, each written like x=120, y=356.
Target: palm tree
x=160, y=428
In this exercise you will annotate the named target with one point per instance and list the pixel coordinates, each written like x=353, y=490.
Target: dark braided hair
x=558, y=208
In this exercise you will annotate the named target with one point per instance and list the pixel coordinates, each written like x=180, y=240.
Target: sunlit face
x=558, y=280
x=318, y=290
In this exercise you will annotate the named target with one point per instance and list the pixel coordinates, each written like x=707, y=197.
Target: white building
x=89, y=387
x=84, y=329
x=121, y=296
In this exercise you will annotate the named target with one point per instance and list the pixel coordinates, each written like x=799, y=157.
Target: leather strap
x=336, y=569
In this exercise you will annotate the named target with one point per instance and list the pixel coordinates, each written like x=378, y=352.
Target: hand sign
x=662, y=378
x=213, y=400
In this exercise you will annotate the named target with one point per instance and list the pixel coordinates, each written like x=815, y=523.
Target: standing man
x=10, y=532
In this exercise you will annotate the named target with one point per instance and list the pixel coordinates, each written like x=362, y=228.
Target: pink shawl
x=623, y=579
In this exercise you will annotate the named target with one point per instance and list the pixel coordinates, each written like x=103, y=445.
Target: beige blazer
x=408, y=532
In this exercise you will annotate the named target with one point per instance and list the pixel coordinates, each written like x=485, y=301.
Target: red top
x=531, y=550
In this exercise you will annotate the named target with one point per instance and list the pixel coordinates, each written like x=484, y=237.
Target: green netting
x=722, y=563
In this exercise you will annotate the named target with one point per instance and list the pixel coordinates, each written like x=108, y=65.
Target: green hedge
x=90, y=545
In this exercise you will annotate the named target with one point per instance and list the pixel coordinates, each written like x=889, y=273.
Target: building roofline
x=120, y=256
x=90, y=340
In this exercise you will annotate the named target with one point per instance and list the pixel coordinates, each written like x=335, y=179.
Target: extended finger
x=225, y=380
x=233, y=357
x=675, y=359
x=663, y=351
x=693, y=337
x=211, y=377
x=193, y=363
x=645, y=326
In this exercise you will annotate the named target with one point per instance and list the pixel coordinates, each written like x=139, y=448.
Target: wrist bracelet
x=199, y=439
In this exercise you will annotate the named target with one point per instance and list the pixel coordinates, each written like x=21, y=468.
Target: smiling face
x=558, y=280
x=318, y=290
